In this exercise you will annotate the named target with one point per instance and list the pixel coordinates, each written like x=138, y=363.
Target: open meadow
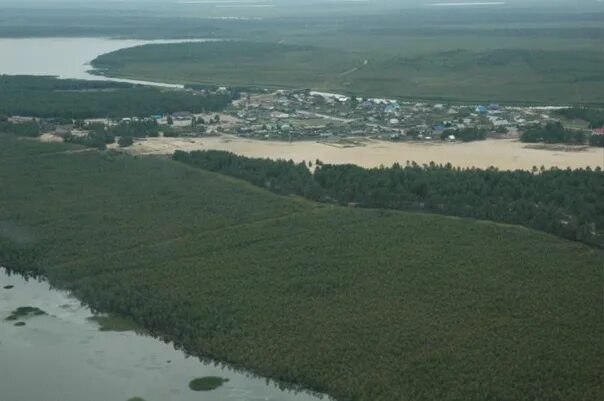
x=361, y=304
x=468, y=54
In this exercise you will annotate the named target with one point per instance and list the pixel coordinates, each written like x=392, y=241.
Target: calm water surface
x=64, y=57
x=64, y=357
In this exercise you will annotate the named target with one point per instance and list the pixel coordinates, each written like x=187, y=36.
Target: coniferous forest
x=567, y=203
x=48, y=97
x=361, y=304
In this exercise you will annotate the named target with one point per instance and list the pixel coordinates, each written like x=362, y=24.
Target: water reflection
x=62, y=355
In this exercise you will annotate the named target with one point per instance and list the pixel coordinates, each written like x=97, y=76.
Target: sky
x=377, y=4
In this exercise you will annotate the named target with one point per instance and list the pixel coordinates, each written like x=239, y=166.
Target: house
x=439, y=128
x=367, y=104
x=598, y=131
x=481, y=110
x=391, y=108
x=20, y=119
x=278, y=114
x=182, y=115
x=63, y=130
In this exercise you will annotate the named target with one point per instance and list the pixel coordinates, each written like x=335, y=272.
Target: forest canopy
x=553, y=132
x=48, y=97
x=360, y=304
x=567, y=203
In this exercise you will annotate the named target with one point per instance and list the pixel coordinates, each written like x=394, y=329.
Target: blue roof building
x=439, y=128
x=391, y=108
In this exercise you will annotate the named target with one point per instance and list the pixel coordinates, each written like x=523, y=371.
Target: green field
x=508, y=56
x=361, y=304
x=504, y=75
x=231, y=63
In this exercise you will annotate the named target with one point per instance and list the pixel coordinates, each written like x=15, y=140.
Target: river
x=66, y=57
x=63, y=356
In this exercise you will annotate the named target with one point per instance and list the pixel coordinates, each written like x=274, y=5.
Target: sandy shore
x=508, y=154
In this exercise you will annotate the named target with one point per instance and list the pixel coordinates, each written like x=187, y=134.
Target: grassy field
x=519, y=52
x=506, y=55
x=232, y=63
x=503, y=75
x=361, y=304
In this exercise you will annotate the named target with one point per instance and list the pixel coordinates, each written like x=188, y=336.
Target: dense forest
x=465, y=134
x=595, y=117
x=49, y=97
x=553, y=132
x=596, y=140
x=361, y=304
x=567, y=203
x=27, y=129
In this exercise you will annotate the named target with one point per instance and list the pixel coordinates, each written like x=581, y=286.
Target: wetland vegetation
x=67, y=343
x=362, y=304
x=112, y=322
x=334, y=279
x=24, y=312
x=207, y=383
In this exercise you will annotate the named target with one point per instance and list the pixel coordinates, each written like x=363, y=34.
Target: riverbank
x=99, y=364
x=70, y=57
x=505, y=154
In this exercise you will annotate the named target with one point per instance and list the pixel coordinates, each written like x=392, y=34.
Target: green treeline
x=361, y=304
x=596, y=140
x=27, y=129
x=595, y=117
x=553, y=133
x=136, y=129
x=280, y=176
x=465, y=134
x=567, y=203
x=48, y=97
x=100, y=135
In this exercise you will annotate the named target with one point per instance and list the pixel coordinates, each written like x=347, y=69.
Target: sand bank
x=506, y=154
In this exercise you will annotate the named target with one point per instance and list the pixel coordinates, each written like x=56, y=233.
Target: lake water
x=65, y=57
x=62, y=356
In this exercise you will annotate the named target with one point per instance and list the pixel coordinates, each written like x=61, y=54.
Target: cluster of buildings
x=303, y=114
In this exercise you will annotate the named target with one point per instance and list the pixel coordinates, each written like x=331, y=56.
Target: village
x=303, y=114
x=298, y=115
